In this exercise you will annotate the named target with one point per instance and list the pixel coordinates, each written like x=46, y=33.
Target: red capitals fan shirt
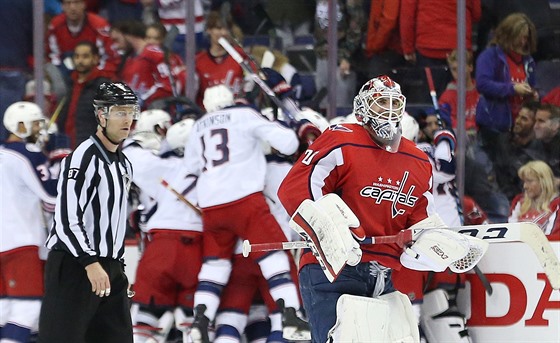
x=213, y=71
x=61, y=42
x=388, y=192
x=148, y=75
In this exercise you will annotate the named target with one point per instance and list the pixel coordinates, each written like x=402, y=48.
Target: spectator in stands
x=143, y=67
x=75, y=25
x=540, y=202
x=383, y=51
x=215, y=66
x=75, y=118
x=173, y=13
x=350, y=16
x=291, y=18
x=429, y=32
x=155, y=35
x=547, y=131
x=522, y=148
x=448, y=99
x=16, y=40
x=505, y=78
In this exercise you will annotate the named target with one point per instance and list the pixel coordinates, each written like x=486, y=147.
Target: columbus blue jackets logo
x=395, y=191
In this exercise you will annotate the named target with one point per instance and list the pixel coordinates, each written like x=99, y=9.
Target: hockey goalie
x=366, y=171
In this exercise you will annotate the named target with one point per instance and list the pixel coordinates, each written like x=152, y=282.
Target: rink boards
x=523, y=306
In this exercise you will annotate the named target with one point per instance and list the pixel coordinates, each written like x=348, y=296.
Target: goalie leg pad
x=387, y=318
x=442, y=322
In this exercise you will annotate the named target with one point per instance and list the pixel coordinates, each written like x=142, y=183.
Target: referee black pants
x=72, y=313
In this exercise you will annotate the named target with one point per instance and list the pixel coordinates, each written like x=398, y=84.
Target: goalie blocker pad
x=324, y=224
x=387, y=318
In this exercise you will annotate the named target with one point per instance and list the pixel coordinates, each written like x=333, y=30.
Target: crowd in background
x=512, y=112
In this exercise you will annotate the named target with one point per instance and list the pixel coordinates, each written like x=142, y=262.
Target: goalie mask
x=379, y=106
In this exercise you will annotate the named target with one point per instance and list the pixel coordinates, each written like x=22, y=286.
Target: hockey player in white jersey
x=27, y=189
x=224, y=151
x=166, y=277
x=142, y=149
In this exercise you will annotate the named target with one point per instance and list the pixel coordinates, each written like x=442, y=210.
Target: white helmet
x=150, y=120
x=349, y=119
x=148, y=140
x=410, y=127
x=314, y=117
x=380, y=105
x=217, y=97
x=22, y=112
x=178, y=134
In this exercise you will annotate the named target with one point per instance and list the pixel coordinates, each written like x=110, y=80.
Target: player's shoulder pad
x=445, y=135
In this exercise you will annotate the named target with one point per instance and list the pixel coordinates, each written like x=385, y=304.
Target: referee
x=85, y=284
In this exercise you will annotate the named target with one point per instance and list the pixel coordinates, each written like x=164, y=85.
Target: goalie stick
x=528, y=233
x=244, y=63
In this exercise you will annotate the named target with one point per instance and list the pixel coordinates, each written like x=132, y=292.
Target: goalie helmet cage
x=527, y=233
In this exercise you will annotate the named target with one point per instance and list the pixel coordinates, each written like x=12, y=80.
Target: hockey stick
x=244, y=63
x=181, y=197
x=400, y=239
x=433, y=95
x=528, y=233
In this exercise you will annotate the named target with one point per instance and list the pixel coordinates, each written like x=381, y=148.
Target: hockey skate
x=293, y=327
x=199, y=327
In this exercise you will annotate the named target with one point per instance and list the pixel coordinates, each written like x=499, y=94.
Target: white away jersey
x=172, y=213
x=224, y=150
x=446, y=198
x=26, y=186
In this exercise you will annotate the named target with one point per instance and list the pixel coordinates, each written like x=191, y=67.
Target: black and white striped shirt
x=91, y=206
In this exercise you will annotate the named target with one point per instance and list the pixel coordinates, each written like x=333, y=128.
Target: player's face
x=74, y=9
x=531, y=186
x=84, y=60
x=153, y=36
x=524, y=122
x=36, y=128
x=119, y=120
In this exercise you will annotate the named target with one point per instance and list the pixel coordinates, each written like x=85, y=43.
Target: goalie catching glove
x=435, y=248
x=326, y=225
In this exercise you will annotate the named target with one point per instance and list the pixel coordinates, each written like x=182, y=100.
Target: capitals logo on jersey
x=393, y=190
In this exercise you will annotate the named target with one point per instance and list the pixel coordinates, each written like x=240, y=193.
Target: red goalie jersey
x=388, y=192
